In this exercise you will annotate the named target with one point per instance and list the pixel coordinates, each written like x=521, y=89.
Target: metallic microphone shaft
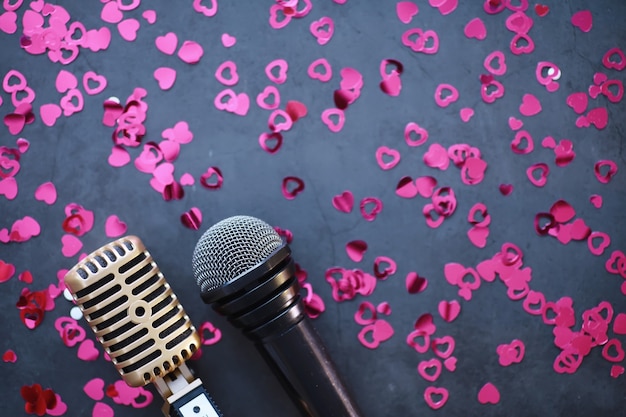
x=140, y=323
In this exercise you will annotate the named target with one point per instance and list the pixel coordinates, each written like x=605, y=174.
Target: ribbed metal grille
x=230, y=248
x=133, y=311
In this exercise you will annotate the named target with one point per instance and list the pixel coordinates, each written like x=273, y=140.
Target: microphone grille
x=231, y=247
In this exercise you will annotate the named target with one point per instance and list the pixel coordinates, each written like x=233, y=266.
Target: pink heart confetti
x=8, y=188
x=47, y=193
x=192, y=219
x=323, y=29
x=71, y=245
x=583, y=20
x=207, y=11
x=101, y=409
x=489, y=394
x=150, y=16
x=8, y=22
x=406, y=10
x=165, y=77
x=49, y=114
x=167, y=43
x=279, y=65
x=190, y=52
x=111, y=13
x=530, y=105
x=466, y=114
x=449, y=310
x=387, y=158
x=228, y=40
x=87, y=351
x=91, y=77
x=476, y=29
x=65, y=81
x=356, y=249
x=344, y=202
x=333, y=125
x=436, y=397
x=94, y=389
x=430, y=370
x=114, y=227
x=118, y=157
x=128, y=29
x=415, y=284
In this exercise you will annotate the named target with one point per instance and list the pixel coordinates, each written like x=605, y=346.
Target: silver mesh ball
x=230, y=248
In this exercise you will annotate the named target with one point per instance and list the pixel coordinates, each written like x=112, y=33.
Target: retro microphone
x=140, y=323
x=245, y=270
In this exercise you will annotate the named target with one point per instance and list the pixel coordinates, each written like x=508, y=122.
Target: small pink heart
x=578, y=102
x=596, y=200
x=548, y=142
x=119, y=156
x=243, y=104
x=415, y=284
x=450, y=364
x=49, y=113
x=15, y=122
x=190, y=52
x=530, y=105
x=111, y=13
x=323, y=30
x=437, y=157
x=65, y=81
x=150, y=16
x=8, y=188
x=599, y=117
x=165, y=77
x=392, y=157
x=207, y=328
x=228, y=40
x=114, y=227
x=315, y=74
x=261, y=99
x=207, y=11
x=476, y=29
x=71, y=245
x=436, y=397
x=422, y=134
x=356, y=249
x=282, y=67
x=505, y=189
x=100, y=80
x=425, y=186
x=430, y=369
x=466, y=114
x=187, y=179
x=102, y=410
x=59, y=409
x=332, y=125
x=94, y=389
x=8, y=22
x=87, y=350
x=344, y=202
x=583, y=20
x=406, y=188
x=449, y=310
x=406, y=10
x=478, y=236
x=47, y=193
x=515, y=124
x=231, y=68
x=489, y=394
x=192, y=219
x=167, y=43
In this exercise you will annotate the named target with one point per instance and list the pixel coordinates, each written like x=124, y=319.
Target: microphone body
x=265, y=303
x=139, y=321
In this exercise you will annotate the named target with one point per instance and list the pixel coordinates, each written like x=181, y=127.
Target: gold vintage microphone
x=140, y=323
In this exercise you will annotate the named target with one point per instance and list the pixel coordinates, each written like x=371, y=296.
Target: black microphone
x=245, y=270
x=142, y=326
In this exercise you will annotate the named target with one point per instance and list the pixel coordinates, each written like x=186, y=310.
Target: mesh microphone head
x=230, y=248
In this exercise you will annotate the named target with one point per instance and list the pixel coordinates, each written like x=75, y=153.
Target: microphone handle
x=300, y=361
